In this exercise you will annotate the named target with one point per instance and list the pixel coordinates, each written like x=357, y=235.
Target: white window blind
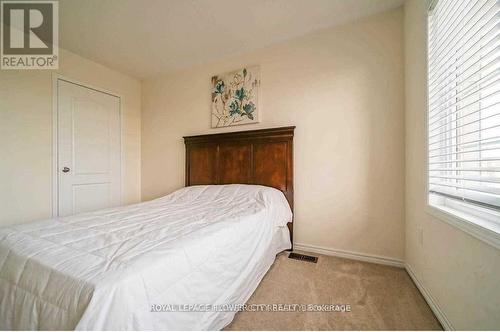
x=464, y=102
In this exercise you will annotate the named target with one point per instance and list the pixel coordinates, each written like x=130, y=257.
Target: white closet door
x=89, y=149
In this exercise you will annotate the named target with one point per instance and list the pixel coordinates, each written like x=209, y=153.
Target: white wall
x=343, y=89
x=459, y=271
x=26, y=134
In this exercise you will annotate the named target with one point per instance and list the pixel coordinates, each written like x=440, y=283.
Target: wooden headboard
x=263, y=156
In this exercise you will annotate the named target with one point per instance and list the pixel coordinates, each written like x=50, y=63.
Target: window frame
x=472, y=224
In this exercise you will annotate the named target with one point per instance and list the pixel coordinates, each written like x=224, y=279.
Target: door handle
x=65, y=169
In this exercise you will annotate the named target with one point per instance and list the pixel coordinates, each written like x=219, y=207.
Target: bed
x=140, y=267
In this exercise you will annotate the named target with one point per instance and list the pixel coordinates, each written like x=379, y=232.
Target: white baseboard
x=430, y=301
x=350, y=255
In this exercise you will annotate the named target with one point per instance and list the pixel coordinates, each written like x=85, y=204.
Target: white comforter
x=105, y=270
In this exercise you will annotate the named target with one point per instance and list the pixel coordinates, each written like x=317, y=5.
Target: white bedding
x=104, y=270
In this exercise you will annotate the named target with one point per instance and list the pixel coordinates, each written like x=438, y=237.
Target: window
x=464, y=110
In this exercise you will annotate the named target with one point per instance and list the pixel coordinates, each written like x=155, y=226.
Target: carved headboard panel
x=263, y=156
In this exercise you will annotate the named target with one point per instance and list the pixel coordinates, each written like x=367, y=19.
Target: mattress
x=108, y=270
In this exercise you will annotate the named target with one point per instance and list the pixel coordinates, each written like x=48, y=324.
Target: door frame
x=55, y=136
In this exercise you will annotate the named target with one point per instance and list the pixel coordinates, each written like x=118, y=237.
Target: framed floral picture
x=235, y=97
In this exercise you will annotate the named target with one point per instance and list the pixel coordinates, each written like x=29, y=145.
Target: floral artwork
x=235, y=97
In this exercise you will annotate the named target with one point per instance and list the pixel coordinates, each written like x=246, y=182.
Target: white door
x=89, y=151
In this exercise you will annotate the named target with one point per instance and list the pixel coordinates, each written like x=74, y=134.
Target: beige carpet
x=381, y=297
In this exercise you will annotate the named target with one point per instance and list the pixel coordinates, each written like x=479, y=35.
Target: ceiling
x=147, y=38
